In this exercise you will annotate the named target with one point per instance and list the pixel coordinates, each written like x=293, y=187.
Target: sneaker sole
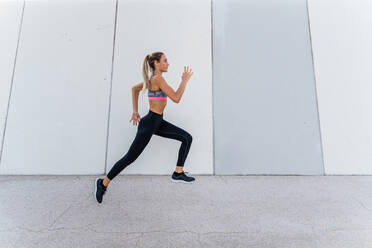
x=181, y=181
x=95, y=189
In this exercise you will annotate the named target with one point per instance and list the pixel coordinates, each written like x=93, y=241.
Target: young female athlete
x=153, y=122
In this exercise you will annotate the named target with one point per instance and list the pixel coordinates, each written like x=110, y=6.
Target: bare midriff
x=157, y=106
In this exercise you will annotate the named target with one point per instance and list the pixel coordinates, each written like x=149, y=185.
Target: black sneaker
x=99, y=189
x=182, y=178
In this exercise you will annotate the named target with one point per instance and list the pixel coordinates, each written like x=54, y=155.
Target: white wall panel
x=57, y=121
x=182, y=30
x=10, y=21
x=342, y=47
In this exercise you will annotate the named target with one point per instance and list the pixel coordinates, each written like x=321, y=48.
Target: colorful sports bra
x=156, y=95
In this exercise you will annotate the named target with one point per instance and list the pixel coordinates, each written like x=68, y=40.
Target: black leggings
x=150, y=124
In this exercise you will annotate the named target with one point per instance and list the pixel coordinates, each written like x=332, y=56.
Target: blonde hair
x=149, y=61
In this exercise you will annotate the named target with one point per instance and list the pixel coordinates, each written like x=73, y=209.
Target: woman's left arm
x=135, y=92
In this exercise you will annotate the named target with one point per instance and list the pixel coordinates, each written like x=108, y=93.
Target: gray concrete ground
x=215, y=211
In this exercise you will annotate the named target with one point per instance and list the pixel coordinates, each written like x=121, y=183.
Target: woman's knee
x=188, y=138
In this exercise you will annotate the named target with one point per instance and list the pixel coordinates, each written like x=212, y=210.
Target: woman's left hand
x=135, y=118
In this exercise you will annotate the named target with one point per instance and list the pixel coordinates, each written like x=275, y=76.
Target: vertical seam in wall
x=112, y=72
x=316, y=96
x=213, y=134
x=12, y=79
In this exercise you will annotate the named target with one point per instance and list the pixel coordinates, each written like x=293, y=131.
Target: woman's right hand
x=186, y=73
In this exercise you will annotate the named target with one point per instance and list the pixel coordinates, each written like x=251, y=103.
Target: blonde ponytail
x=145, y=74
x=149, y=62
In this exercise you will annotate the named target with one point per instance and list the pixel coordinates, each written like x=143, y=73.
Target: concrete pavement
x=214, y=211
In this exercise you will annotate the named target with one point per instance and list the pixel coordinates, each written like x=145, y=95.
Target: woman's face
x=163, y=64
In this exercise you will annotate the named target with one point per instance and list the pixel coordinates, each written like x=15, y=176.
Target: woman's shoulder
x=156, y=77
x=153, y=83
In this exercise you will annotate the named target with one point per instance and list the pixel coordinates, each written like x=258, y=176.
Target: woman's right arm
x=175, y=96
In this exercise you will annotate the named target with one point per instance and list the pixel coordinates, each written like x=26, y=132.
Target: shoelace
x=184, y=172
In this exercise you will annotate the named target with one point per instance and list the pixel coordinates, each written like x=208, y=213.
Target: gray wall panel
x=265, y=110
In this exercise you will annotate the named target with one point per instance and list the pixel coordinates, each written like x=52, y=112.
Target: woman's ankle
x=106, y=182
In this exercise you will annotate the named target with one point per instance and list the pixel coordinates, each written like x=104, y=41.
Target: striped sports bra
x=156, y=95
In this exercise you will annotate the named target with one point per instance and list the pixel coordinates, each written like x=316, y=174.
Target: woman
x=153, y=122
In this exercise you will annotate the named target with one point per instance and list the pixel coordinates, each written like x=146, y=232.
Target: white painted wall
x=57, y=122
x=182, y=30
x=342, y=47
x=10, y=21
x=59, y=106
